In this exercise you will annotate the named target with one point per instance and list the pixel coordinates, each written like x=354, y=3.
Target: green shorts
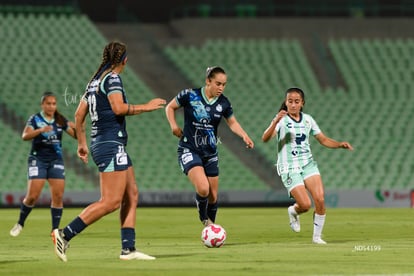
x=296, y=177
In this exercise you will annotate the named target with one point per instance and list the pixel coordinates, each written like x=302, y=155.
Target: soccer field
x=259, y=242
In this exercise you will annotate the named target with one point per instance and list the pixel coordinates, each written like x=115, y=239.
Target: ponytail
x=61, y=120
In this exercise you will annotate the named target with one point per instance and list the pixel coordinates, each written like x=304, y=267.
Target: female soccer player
x=45, y=160
x=295, y=164
x=197, y=150
x=105, y=101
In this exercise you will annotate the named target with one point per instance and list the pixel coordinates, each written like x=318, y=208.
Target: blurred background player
x=45, y=160
x=197, y=149
x=295, y=164
x=105, y=101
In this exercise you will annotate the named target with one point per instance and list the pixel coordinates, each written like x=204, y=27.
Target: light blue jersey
x=293, y=146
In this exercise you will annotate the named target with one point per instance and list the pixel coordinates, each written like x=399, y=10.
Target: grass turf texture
x=259, y=241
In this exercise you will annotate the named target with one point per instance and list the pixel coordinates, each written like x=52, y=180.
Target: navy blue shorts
x=38, y=169
x=110, y=157
x=188, y=159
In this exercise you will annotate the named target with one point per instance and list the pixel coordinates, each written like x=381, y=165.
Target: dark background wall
x=165, y=10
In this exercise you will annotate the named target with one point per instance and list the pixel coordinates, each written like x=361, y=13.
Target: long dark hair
x=59, y=118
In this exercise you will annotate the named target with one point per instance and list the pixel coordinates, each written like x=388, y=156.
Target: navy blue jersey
x=106, y=126
x=46, y=146
x=201, y=120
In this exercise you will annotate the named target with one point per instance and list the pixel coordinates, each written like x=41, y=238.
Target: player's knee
x=303, y=207
x=30, y=200
x=319, y=204
x=111, y=206
x=57, y=199
x=203, y=190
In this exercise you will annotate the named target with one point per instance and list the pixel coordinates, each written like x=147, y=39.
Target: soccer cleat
x=318, y=240
x=127, y=255
x=15, y=231
x=206, y=222
x=294, y=220
x=60, y=244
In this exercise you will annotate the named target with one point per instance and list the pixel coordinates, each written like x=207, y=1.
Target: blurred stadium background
x=353, y=58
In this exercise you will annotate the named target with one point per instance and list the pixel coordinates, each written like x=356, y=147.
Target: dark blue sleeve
x=182, y=97
x=112, y=84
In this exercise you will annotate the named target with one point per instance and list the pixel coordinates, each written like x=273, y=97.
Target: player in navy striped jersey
x=105, y=101
x=197, y=150
x=45, y=161
x=295, y=164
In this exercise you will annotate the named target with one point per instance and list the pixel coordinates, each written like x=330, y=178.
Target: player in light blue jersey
x=105, y=101
x=45, y=160
x=295, y=164
x=197, y=149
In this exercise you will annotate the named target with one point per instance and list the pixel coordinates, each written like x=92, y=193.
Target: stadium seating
x=59, y=53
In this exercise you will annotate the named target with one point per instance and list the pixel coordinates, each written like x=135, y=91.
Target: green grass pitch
x=259, y=242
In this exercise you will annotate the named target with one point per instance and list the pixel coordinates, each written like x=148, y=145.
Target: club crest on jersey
x=219, y=108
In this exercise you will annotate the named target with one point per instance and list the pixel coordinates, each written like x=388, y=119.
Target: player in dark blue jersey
x=105, y=101
x=45, y=160
x=197, y=149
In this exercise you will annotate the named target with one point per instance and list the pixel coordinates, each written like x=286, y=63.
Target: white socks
x=318, y=222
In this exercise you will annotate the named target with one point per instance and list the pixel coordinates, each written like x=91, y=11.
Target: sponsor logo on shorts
x=186, y=158
x=33, y=171
x=121, y=158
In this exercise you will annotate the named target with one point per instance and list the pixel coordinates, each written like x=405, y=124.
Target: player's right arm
x=80, y=116
x=270, y=131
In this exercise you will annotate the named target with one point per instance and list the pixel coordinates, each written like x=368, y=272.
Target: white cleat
x=60, y=244
x=294, y=220
x=15, y=231
x=318, y=241
x=127, y=255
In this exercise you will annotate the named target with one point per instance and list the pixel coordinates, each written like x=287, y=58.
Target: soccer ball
x=213, y=235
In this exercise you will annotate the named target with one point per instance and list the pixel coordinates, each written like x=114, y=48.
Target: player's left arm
x=120, y=108
x=331, y=143
x=238, y=130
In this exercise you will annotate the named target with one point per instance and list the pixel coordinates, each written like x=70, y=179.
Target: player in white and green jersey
x=295, y=164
